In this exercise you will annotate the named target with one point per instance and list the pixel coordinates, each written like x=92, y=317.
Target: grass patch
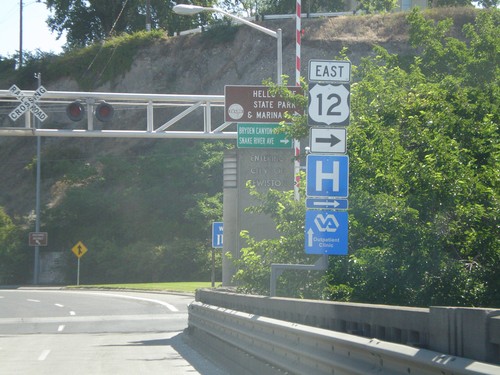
x=189, y=287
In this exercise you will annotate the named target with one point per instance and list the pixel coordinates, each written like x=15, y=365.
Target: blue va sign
x=217, y=234
x=326, y=232
x=327, y=175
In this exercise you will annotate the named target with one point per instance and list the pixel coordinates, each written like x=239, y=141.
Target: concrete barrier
x=261, y=345
x=464, y=332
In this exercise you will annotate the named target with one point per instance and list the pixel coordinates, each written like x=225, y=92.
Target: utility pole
x=20, y=33
x=36, y=270
x=148, y=15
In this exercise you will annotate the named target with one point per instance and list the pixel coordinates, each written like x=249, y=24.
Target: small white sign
x=328, y=140
x=329, y=104
x=329, y=71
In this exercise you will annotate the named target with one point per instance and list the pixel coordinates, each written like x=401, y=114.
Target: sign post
x=79, y=250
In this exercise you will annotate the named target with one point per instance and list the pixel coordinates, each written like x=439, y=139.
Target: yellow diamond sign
x=79, y=249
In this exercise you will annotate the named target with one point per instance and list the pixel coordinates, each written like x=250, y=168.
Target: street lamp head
x=188, y=10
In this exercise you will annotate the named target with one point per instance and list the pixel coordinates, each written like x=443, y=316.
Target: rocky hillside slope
x=194, y=64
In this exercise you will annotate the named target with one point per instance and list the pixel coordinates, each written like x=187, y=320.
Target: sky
x=36, y=33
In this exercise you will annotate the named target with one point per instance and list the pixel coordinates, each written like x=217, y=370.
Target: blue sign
x=327, y=175
x=217, y=234
x=327, y=203
x=326, y=232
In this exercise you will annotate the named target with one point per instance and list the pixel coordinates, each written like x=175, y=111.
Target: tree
x=87, y=22
x=14, y=259
x=424, y=166
x=377, y=6
x=144, y=216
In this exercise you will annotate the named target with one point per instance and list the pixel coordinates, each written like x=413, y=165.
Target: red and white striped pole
x=296, y=142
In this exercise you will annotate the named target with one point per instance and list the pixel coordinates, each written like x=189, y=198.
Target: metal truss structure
x=164, y=114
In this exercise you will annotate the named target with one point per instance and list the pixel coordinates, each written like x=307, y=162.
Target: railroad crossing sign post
x=79, y=250
x=28, y=103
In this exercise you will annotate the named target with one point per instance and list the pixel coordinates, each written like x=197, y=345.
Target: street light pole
x=190, y=10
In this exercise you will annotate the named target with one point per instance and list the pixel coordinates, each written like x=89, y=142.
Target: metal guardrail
x=300, y=349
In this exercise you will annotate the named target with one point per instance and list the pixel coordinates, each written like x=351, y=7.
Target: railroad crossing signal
x=28, y=103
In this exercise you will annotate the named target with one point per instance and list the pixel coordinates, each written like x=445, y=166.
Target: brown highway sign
x=255, y=104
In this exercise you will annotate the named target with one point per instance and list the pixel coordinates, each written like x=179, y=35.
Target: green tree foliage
x=254, y=265
x=424, y=166
x=377, y=6
x=144, y=216
x=14, y=258
x=87, y=22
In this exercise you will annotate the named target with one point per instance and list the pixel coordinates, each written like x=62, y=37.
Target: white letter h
x=334, y=175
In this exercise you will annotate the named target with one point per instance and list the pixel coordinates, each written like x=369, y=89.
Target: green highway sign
x=261, y=136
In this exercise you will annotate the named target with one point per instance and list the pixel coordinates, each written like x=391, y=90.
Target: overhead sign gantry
x=84, y=107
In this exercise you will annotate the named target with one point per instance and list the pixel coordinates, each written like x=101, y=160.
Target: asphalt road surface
x=51, y=331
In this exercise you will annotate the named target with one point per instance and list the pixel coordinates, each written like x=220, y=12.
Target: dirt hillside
x=193, y=64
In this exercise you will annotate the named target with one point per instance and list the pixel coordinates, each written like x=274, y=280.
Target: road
x=96, y=332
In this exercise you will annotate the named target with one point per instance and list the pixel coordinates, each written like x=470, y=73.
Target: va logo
x=326, y=223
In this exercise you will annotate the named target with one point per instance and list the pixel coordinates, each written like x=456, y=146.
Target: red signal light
x=75, y=111
x=104, y=112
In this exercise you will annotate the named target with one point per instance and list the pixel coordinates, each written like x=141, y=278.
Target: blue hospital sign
x=327, y=175
x=326, y=232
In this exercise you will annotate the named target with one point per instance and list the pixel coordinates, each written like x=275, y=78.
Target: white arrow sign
x=328, y=140
x=28, y=103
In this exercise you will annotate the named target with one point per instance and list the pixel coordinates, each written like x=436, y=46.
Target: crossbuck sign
x=28, y=103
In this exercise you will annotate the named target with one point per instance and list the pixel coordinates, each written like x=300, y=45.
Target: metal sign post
x=79, y=250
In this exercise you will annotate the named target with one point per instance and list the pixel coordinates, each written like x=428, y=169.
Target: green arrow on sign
x=261, y=136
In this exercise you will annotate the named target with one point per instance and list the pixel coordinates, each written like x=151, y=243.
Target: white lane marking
x=58, y=305
x=167, y=305
x=92, y=318
x=33, y=300
x=72, y=313
x=60, y=328
x=44, y=355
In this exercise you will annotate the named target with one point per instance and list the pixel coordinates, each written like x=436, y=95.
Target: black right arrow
x=332, y=140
